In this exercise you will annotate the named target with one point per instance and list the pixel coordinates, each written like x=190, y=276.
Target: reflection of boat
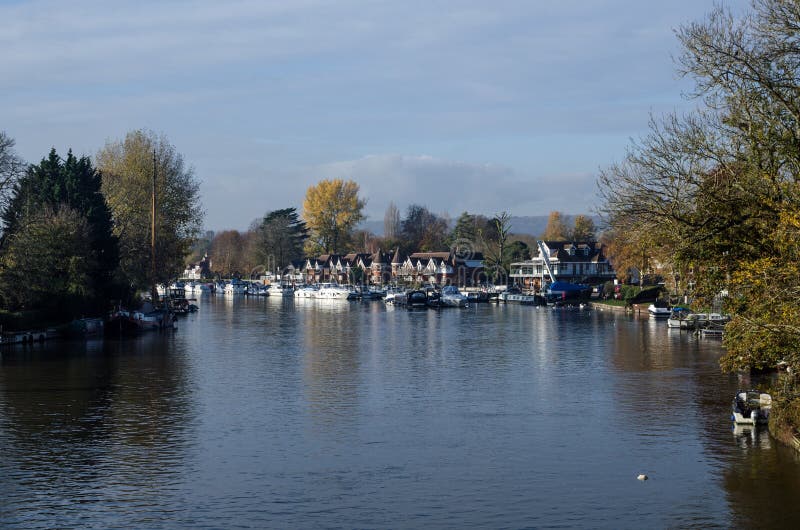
x=751, y=407
x=751, y=436
x=452, y=297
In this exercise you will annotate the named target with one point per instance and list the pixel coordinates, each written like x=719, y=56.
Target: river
x=271, y=413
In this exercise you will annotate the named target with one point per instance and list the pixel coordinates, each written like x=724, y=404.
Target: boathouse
x=583, y=262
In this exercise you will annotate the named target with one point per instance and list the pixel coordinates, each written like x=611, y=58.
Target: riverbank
x=611, y=305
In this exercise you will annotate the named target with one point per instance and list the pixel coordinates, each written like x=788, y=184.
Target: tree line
x=715, y=193
x=328, y=224
x=76, y=232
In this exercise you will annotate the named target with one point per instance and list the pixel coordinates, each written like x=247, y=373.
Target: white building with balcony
x=582, y=262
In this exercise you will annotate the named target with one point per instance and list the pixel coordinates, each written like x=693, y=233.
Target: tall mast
x=154, y=292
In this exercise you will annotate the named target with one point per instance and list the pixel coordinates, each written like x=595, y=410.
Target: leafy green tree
x=128, y=166
x=48, y=263
x=517, y=251
x=468, y=232
x=74, y=184
x=280, y=238
x=718, y=190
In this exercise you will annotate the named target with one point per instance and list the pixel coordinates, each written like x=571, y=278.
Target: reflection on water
x=284, y=412
x=331, y=351
x=87, y=425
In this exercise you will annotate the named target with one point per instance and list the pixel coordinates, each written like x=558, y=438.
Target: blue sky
x=460, y=105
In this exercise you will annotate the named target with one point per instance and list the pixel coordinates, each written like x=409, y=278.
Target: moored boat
x=333, y=291
x=85, y=328
x=416, y=299
x=751, y=407
x=276, y=289
x=395, y=295
x=306, y=291
x=681, y=318
x=659, y=309
x=516, y=296
x=235, y=287
x=452, y=297
x=126, y=322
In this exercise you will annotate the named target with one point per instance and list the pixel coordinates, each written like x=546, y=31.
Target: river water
x=271, y=413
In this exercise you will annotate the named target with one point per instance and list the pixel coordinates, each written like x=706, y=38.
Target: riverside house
x=570, y=261
x=441, y=268
x=373, y=269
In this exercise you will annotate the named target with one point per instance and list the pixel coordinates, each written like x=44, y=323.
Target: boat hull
x=751, y=407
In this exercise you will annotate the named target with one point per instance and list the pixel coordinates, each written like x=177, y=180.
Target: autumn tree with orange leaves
x=331, y=210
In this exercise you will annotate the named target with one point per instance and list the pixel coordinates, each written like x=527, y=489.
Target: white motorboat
x=452, y=297
x=307, y=291
x=235, y=287
x=682, y=318
x=659, y=310
x=392, y=294
x=333, y=291
x=276, y=289
x=751, y=407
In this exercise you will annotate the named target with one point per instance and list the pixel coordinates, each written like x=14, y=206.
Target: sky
x=480, y=106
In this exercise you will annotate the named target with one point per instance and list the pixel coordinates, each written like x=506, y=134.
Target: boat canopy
x=566, y=287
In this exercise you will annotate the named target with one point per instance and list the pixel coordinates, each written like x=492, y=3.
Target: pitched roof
x=397, y=258
x=576, y=251
x=435, y=255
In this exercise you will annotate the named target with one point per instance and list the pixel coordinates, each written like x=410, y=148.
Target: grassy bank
x=784, y=421
x=610, y=303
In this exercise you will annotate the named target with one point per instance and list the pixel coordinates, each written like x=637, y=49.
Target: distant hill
x=532, y=225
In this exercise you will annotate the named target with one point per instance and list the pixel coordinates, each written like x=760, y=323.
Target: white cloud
x=317, y=81
x=451, y=186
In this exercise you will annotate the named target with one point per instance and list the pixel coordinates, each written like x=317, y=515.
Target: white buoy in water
x=642, y=477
